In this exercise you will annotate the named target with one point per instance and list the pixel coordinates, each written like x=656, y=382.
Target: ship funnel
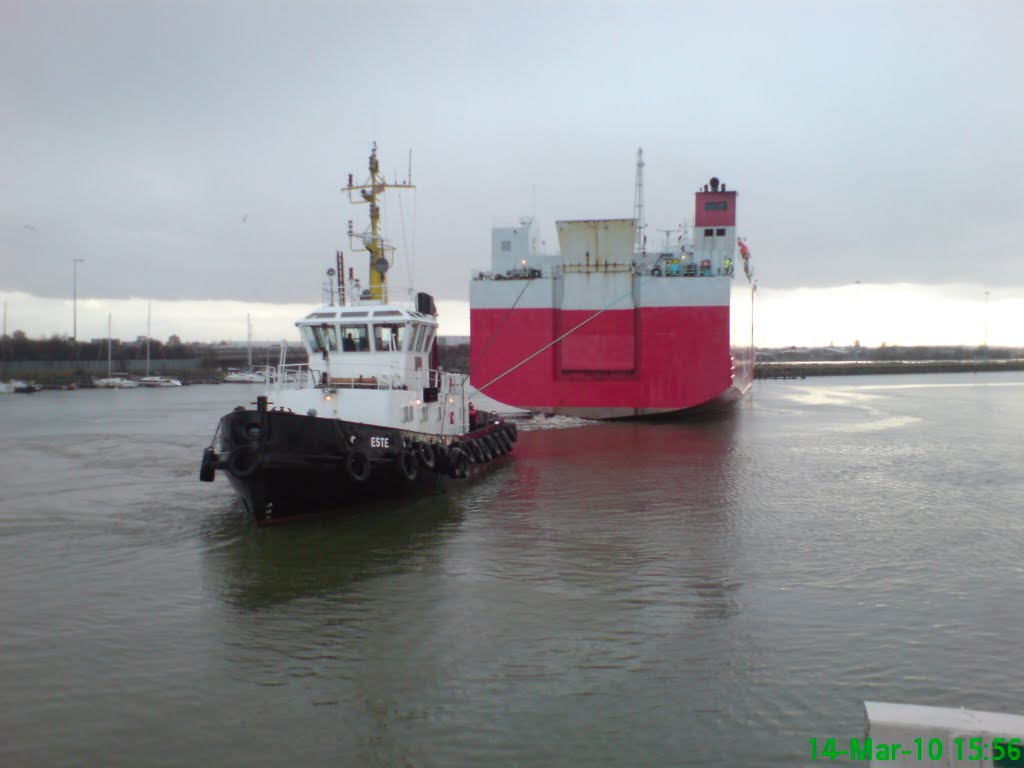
x=425, y=304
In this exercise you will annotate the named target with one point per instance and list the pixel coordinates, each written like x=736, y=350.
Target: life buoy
x=358, y=466
x=243, y=461
x=407, y=465
x=425, y=453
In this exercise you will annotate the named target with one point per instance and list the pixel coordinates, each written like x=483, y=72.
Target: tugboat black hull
x=283, y=465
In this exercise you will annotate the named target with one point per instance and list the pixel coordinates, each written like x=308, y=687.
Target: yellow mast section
x=372, y=239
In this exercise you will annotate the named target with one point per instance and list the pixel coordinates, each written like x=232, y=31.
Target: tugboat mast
x=372, y=240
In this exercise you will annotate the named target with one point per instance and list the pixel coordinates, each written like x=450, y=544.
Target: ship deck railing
x=301, y=376
x=655, y=269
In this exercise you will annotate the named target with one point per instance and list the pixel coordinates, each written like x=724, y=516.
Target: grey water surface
x=665, y=594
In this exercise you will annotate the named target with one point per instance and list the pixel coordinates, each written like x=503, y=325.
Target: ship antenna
x=638, y=204
x=373, y=241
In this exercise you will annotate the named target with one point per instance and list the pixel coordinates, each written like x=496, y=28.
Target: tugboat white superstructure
x=370, y=415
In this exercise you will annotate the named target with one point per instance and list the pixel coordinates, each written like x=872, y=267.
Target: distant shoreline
x=791, y=370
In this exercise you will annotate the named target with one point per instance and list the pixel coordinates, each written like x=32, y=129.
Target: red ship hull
x=648, y=361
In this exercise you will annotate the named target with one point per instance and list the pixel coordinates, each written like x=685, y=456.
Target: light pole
x=986, y=323
x=858, y=316
x=74, y=298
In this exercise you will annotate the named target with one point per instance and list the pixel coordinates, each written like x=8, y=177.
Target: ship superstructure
x=608, y=329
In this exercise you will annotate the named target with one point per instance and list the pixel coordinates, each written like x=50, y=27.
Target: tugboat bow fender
x=243, y=461
x=208, y=467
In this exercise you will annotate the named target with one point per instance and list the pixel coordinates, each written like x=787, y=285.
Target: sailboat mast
x=248, y=326
x=109, y=335
x=149, y=318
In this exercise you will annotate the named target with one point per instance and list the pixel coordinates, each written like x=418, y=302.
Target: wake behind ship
x=607, y=329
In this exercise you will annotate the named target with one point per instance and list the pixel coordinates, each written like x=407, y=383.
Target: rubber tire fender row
x=357, y=464
x=456, y=457
x=485, y=450
x=462, y=466
x=425, y=454
x=506, y=441
x=407, y=465
x=440, y=457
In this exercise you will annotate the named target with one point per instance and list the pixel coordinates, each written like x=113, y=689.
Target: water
x=714, y=593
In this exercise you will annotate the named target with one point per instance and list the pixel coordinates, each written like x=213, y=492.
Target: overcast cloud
x=195, y=150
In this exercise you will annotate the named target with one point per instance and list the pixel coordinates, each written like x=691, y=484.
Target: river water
x=711, y=593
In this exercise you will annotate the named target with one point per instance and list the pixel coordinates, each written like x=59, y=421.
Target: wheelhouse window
x=355, y=337
x=415, y=336
x=709, y=233
x=322, y=337
x=719, y=233
x=428, y=338
x=389, y=337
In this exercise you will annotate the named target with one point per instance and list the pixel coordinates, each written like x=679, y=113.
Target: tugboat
x=371, y=415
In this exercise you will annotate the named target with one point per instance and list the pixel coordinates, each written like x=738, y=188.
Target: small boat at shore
x=16, y=386
x=370, y=416
x=246, y=376
x=110, y=381
x=153, y=380
x=158, y=381
x=115, y=382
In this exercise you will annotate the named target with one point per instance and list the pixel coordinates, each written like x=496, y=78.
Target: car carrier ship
x=608, y=329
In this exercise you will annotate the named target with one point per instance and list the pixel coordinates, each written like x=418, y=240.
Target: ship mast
x=372, y=240
x=640, y=246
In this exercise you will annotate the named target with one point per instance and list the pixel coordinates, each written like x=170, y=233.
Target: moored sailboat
x=111, y=381
x=150, y=380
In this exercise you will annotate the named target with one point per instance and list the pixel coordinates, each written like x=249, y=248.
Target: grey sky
x=876, y=141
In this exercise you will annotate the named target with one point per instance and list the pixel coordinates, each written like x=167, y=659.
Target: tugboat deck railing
x=301, y=376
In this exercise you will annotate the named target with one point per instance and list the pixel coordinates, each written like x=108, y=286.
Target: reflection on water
x=255, y=568
x=700, y=593
x=634, y=507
